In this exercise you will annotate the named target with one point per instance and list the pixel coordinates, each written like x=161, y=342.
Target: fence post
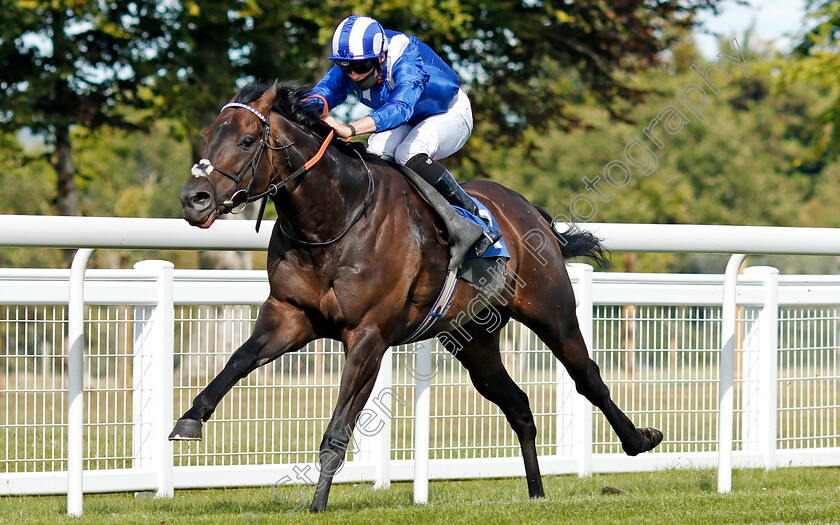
x=76, y=382
x=764, y=348
x=751, y=373
x=422, y=416
x=581, y=413
x=726, y=405
x=154, y=335
x=374, y=424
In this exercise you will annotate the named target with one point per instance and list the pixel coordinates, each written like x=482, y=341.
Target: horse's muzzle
x=198, y=206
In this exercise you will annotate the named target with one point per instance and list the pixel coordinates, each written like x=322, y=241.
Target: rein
x=358, y=216
x=242, y=197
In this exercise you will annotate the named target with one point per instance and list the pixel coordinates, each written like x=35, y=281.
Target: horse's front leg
x=280, y=328
x=364, y=354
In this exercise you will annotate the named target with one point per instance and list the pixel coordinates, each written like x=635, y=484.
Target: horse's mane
x=287, y=102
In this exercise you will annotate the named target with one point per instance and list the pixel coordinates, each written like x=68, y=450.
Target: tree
x=527, y=64
x=523, y=60
x=29, y=183
x=70, y=64
x=817, y=60
x=530, y=58
x=737, y=166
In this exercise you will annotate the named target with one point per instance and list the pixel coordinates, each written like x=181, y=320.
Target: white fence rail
x=657, y=339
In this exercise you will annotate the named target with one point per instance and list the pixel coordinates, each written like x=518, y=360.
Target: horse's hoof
x=650, y=437
x=186, y=430
x=653, y=437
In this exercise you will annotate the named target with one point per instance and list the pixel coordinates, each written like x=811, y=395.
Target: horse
x=357, y=256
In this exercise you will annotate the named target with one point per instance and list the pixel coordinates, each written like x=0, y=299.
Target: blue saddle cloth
x=499, y=249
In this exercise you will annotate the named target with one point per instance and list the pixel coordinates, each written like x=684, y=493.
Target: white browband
x=245, y=106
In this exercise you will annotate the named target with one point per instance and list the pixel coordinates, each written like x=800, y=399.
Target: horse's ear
x=264, y=103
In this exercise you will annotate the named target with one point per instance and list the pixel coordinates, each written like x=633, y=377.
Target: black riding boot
x=435, y=174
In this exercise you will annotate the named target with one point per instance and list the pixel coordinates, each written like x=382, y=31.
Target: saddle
x=487, y=273
x=463, y=229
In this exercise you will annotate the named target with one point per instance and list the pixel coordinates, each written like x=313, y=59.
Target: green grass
x=794, y=495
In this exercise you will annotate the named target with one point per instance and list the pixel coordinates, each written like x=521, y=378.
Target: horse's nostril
x=200, y=198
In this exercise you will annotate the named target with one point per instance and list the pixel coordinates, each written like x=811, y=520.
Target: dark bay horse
x=357, y=256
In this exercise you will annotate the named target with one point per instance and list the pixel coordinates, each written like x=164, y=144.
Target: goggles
x=356, y=66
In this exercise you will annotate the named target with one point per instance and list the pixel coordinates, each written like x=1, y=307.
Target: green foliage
x=131, y=174
x=121, y=174
x=816, y=61
x=214, y=48
x=709, y=172
x=525, y=61
x=529, y=57
x=29, y=188
x=27, y=182
x=534, y=69
x=71, y=64
x=741, y=165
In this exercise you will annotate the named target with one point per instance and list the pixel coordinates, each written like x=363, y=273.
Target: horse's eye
x=247, y=142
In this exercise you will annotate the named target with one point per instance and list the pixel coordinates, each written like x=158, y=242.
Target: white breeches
x=438, y=136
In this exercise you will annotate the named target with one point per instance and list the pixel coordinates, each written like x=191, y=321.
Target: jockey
x=420, y=114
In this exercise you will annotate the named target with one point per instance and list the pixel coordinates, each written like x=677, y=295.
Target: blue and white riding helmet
x=357, y=44
x=358, y=38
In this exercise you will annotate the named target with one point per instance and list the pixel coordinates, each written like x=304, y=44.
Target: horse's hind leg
x=480, y=356
x=587, y=377
x=550, y=312
x=280, y=328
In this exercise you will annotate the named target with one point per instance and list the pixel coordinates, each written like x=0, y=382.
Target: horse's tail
x=575, y=242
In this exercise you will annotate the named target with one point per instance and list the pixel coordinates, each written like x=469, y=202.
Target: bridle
x=241, y=197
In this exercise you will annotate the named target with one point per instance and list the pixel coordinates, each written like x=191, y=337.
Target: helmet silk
x=358, y=38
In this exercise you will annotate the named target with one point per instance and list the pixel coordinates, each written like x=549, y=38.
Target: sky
x=775, y=22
